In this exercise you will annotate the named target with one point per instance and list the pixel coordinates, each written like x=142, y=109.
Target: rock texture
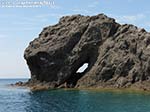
x=117, y=55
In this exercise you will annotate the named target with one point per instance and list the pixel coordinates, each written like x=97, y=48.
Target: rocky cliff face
x=117, y=55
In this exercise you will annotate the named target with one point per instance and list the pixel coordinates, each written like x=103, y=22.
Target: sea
x=19, y=99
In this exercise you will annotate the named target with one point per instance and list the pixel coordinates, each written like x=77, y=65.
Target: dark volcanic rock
x=118, y=55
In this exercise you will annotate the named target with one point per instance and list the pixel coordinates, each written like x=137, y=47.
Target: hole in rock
x=72, y=81
x=83, y=68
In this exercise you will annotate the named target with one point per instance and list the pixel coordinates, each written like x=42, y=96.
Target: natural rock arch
x=118, y=55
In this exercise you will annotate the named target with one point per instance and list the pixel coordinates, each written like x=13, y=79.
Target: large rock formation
x=117, y=55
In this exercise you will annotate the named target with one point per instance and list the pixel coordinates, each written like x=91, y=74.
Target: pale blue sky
x=18, y=26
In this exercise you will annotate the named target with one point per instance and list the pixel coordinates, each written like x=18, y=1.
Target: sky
x=20, y=25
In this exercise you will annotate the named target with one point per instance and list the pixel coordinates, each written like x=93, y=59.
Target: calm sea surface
x=23, y=100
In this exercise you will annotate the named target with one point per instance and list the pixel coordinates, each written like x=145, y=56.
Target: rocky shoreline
x=117, y=55
x=38, y=86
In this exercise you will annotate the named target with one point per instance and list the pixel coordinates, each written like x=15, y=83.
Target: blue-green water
x=23, y=100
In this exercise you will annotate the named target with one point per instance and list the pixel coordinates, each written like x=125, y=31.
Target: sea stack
x=118, y=56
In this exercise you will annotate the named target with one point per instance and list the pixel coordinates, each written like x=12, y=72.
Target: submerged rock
x=117, y=55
